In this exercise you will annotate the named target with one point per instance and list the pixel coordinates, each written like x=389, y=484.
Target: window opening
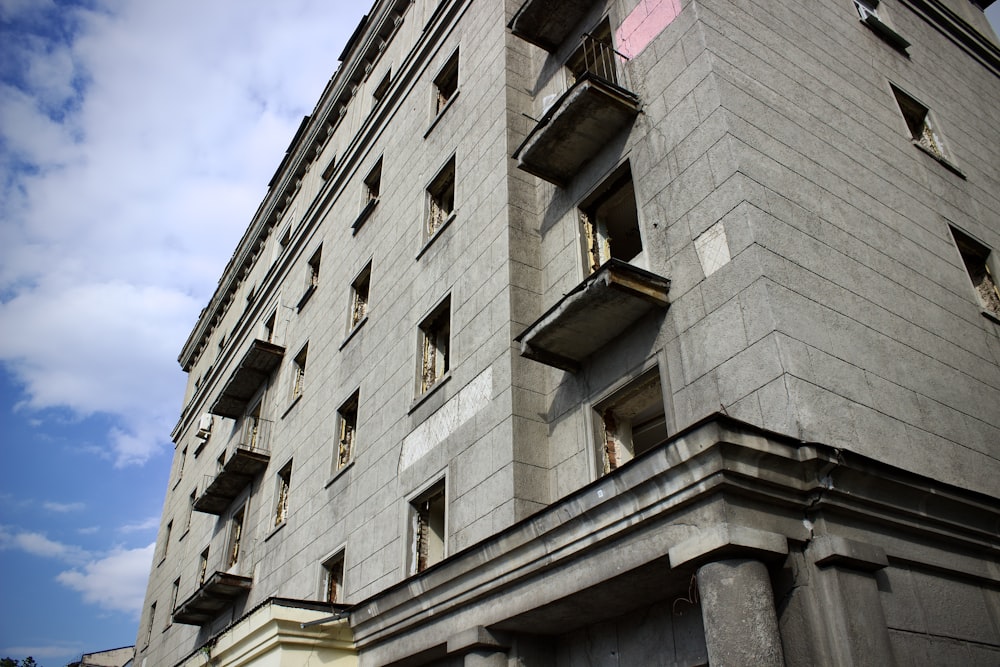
x=314, y=262
x=180, y=464
x=166, y=539
x=976, y=258
x=174, y=590
x=347, y=416
x=299, y=372
x=192, y=499
x=333, y=579
x=446, y=84
x=441, y=198
x=610, y=221
x=269, y=327
x=382, y=88
x=373, y=183
x=149, y=628
x=632, y=421
x=235, y=536
x=918, y=121
x=435, y=334
x=203, y=566
x=281, y=496
x=252, y=428
x=429, y=528
x=359, y=296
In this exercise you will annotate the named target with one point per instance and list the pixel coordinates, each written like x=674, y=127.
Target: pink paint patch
x=645, y=22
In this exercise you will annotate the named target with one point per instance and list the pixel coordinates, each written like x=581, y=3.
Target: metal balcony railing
x=247, y=458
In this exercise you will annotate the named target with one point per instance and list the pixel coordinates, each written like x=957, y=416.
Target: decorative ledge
x=597, y=310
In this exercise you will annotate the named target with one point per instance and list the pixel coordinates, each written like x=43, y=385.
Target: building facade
x=623, y=332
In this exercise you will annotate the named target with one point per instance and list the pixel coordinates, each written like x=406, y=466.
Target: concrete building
x=115, y=657
x=635, y=332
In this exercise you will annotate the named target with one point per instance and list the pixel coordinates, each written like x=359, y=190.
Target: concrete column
x=485, y=657
x=737, y=606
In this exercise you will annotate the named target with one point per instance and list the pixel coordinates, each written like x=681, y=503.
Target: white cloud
x=116, y=582
x=63, y=507
x=136, y=151
x=152, y=523
x=37, y=544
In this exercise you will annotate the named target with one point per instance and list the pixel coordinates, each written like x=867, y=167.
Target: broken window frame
x=347, y=427
x=616, y=444
x=360, y=297
x=921, y=125
x=440, y=200
x=372, y=191
x=332, y=581
x=282, y=489
x=597, y=239
x=981, y=266
x=203, y=566
x=237, y=530
x=435, y=346
x=445, y=85
x=299, y=372
x=429, y=527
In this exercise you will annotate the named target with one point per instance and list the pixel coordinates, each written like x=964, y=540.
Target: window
x=347, y=418
x=428, y=526
x=180, y=463
x=166, y=539
x=283, y=242
x=269, y=327
x=312, y=276
x=235, y=537
x=284, y=482
x=333, y=579
x=299, y=372
x=441, y=199
x=868, y=11
x=192, y=499
x=595, y=57
x=610, y=221
x=446, y=84
x=221, y=346
x=372, y=190
x=918, y=121
x=253, y=429
x=203, y=566
x=149, y=627
x=174, y=590
x=632, y=421
x=977, y=259
x=359, y=296
x=382, y=88
x=435, y=345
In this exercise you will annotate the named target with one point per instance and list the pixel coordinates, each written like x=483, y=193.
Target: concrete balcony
x=593, y=314
x=251, y=372
x=212, y=598
x=575, y=128
x=547, y=23
x=248, y=459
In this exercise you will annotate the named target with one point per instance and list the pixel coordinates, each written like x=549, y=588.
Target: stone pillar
x=737, y=606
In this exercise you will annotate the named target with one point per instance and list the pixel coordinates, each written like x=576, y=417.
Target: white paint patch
x=460, y=409
x=713, y=249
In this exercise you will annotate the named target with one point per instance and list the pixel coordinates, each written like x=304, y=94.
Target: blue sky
x=136, y=141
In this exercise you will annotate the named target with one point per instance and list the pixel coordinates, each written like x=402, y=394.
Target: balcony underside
x=235, y=475
x=547, y=23
x=593, y=314
x=575, y=129
x=252, y=371
x=212, y=598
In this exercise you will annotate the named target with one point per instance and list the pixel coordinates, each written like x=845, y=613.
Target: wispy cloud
x=116, y=582
x=136, y=145
x=150, y=523
x=37, y=544
x=63, y=507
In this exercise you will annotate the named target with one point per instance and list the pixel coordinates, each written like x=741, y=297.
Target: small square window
x=299, y=372
x=441, y=199
x=359, y=296
x=918, y=122
x=977, y=259
x=428, y=516
x=446, y=84
x=333, y=579
x=435, y=345
x=283, y=485
x=347, y=426
x=631, y=422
